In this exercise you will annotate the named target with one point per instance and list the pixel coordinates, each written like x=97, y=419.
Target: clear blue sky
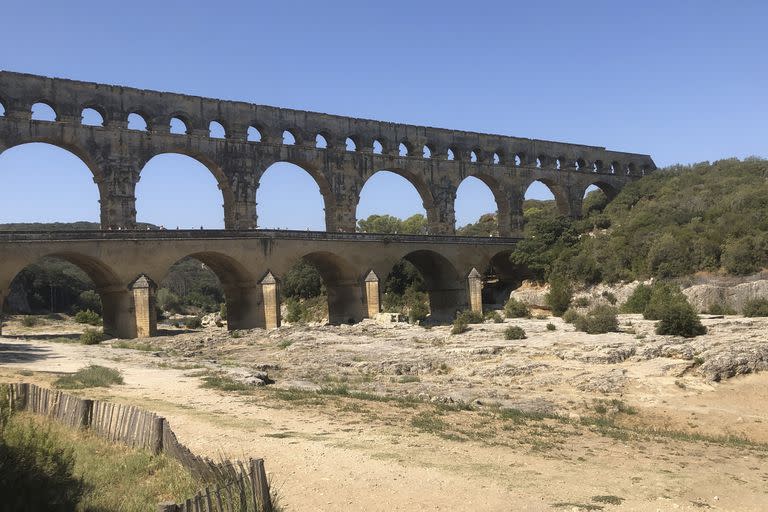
x=683, y=81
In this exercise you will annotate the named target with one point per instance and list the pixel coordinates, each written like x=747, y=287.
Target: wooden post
x=260, y=485
x=156, y=441
x=86, y=413
x=475, y=291
x=372, y=294
x=167, y=507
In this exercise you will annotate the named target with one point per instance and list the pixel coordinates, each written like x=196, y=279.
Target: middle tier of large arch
x=340, y=174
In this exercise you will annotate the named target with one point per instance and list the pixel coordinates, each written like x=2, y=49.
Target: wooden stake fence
x=236, y=488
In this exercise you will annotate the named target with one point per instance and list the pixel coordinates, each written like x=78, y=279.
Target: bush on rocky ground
x=494, y=316
x=91, y=337
x=470, y=317
x=514, y=333
x=88, y=317
x=598, y=320
x=559, y=296
x=459, y=326
x=680, y=319
x=516, y=309
x=755, y=307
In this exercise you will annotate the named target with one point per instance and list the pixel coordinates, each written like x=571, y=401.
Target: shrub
x=88, y=317
x=30, y=321
x=598, y=320
x=610, y=297
x=756, y=307
x=581, y=302
x=418, y=311
x=92, y=376
x=89, y=299
x=36, y=471
x=168, y=301
x=91, y=337
x=514, y=333
x=495, y=316
x=570, y=316
x=638, y=301
x=551, y=327
x=223, y=311
x=516, y=309
x=718, y=308
x=193, y=322
x=559, y=296
x=680, y=319
x=470, y=317
x=663, y=295
x=459, y=326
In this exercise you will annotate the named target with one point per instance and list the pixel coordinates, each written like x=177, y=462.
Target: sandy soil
x=559, y=421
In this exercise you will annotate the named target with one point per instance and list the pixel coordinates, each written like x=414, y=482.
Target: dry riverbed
x=398, y=417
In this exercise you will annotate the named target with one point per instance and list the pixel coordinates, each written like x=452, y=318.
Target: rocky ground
x=396, y=417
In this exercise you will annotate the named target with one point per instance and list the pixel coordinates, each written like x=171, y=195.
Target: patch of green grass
x=135, y=345
x=92, y=376
x=519, y=416
x=609, y=499
x=30, y=321
x=26, y=373
x=224, y=383
x=427, y=421
x=110, y=477
x=580, y=506
x=283, y=344
x=409, y=378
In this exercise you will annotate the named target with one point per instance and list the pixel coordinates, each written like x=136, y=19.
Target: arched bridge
x=340, y=153
x=125, y=265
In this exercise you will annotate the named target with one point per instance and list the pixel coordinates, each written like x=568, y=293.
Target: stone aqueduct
x=124, y=264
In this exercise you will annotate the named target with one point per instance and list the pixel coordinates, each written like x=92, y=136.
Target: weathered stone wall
x=116, y=155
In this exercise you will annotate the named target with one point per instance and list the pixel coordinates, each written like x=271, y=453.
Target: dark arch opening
x=427, y=151
x=92, y=117
x=350, y=144
x=63, y=284
x=476, y=207
x=56, y=175
x=441, y=282
x=341, y=285
x=205, y=282
x=378, y=148
x=501, y=276
x=403, y=149
x=2, y=108
x=290, y=196
x=596, y=198
x=181, y=191
x=376, y=200
x=137, y=122
x=43, y=112
x=473, y=156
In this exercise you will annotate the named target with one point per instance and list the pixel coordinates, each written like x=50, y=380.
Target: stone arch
x=96, y=108
x=90, y=161
x=185, y=120
x=444, y=285
x=320, y=179
x=500, y=199
x=215, y=170
x=142, y=114
x=344, y=285
x=561, y=196
x=418, y=183
x=45, y=103
x=115, y=297
x=607, y=188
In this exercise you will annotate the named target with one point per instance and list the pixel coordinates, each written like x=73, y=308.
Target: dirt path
x=341, y=453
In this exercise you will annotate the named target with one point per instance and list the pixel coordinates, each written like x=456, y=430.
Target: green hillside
x=675, y=222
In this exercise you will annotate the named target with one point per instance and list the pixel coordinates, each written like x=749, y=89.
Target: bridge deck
x=225, y=234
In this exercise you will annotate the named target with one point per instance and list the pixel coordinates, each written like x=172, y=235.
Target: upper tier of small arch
x=68, y=99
